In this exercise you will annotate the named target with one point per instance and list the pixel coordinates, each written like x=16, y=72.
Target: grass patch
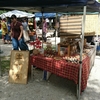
x=5, y=64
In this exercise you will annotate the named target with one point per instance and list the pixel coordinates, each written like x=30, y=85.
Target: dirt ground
x=56, y=88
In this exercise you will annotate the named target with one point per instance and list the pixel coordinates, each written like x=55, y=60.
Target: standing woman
x=44, y=29
x=26, y=30
x=17, y=34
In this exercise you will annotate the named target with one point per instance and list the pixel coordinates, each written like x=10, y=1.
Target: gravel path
x=56, y=88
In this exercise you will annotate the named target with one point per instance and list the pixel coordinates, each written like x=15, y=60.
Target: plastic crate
x=98, y=48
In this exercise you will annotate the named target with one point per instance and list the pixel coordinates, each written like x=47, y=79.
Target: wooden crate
x=32, y=33
x=19, y=64
x=71, y=48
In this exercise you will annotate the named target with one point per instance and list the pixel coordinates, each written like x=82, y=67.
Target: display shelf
x=71, y=47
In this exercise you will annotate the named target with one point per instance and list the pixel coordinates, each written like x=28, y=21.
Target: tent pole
x=55, y=32
x=81, y=51
x=42, y=29
x=97, y=33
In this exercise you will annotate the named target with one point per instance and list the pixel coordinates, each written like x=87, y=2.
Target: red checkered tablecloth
x=62, y=68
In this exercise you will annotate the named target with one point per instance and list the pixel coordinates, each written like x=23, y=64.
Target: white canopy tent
x=18, y=13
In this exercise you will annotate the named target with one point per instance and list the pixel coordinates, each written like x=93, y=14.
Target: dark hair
x=44, y=18
x=4, y=19
x=24, y=19
x=13, y=16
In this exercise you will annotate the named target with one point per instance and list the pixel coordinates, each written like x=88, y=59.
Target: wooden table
x=62, y=68
x=65, y=69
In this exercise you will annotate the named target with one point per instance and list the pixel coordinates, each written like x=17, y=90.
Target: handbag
x=26, y=36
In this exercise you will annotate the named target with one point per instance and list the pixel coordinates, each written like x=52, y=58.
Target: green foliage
x=4, y=64
x=2, y=11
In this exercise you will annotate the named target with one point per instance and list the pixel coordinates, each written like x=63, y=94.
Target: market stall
x=67, y=67
x=64, y=6
x=82, y=69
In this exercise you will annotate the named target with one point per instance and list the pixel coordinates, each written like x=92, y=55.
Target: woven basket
x=36, y=51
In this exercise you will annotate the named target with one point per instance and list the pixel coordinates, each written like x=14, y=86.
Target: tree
x=2, y=11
